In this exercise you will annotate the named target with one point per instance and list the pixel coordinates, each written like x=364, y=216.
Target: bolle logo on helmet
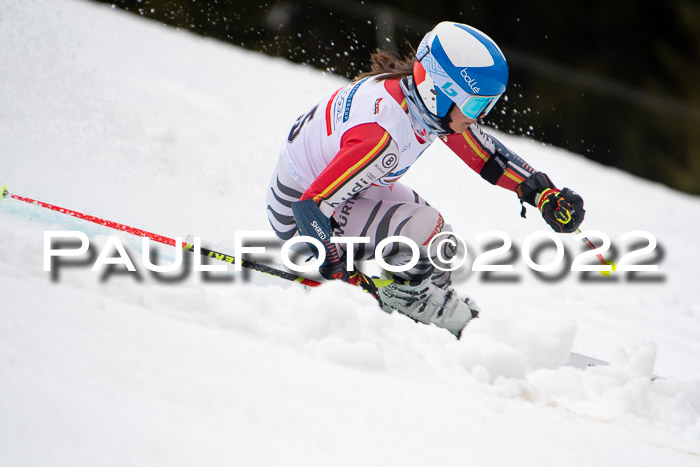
x=470, y=81
x=446, y=89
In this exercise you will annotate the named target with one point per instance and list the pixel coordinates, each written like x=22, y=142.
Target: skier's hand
x=561, y=209
x=338, y=270
x=335, y=270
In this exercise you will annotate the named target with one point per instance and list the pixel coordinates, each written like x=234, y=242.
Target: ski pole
x=163, y=239
x=602, y=260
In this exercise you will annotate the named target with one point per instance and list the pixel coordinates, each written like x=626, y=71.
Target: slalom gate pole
x=163, y=239
x=602, y=260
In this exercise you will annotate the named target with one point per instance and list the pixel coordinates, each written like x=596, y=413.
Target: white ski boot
x=427, y=303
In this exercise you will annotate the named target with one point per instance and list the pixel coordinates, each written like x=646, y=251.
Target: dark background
x=615, y=80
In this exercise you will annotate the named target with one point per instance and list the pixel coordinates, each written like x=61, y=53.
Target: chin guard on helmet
x=438, y=125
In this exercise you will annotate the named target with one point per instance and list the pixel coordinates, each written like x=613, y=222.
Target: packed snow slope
x=131, y=121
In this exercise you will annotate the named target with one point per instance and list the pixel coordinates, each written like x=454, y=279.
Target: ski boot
x=425, y=302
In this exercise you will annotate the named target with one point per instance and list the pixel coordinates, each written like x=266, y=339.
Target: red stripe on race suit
x=357, y=143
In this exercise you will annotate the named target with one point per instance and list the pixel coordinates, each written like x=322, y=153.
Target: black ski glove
x=313, y=223
x=561, y=209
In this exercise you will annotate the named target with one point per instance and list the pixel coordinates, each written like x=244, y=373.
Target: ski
x=577, y=360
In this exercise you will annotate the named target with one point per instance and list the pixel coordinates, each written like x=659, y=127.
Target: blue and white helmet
x=458, y=64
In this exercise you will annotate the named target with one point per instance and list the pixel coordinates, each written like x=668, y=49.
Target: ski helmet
x=458, y=64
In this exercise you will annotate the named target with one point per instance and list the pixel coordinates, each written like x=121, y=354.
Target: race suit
x=347, y=154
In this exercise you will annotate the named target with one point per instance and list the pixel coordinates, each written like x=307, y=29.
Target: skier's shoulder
x=388, y=107
x=365, y=101
x=374, y=95
x=387, y=95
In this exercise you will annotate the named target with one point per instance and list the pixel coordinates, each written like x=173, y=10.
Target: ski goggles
x=475, y=107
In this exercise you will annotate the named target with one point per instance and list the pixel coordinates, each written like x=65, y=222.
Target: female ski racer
x=338, y=171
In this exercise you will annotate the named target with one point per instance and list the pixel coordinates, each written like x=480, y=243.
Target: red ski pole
x=162, y=239
x=602, y=260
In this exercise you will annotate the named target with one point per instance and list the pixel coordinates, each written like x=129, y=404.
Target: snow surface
x=131, y=121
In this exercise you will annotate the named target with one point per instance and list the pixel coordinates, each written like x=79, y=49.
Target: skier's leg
x=381, y=213
x=282, y=191
x=378, y=213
